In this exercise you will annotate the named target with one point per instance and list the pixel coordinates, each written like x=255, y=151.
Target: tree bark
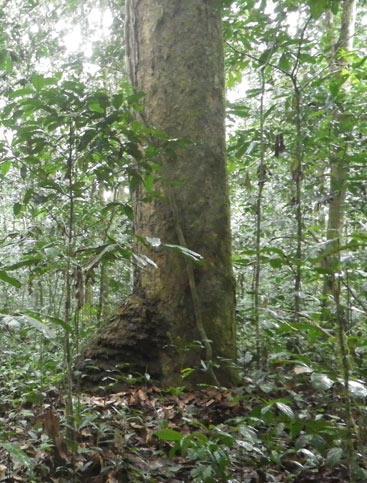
x=175, y=53
x=339, y=169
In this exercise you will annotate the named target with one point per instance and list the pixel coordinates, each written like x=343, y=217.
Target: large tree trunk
x=339, y=168
x=175, y=52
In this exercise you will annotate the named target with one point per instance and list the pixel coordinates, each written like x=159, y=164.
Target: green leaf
x=336, y=85
x=285, y=409
x=334, y=456
x=10, y=280
x=318, y=7
x=357, y=389
x=6, y=63
x=117, y=100
x=276, y=262
x=74, y=86
x=335, y=6
x=266, y=56
x=187, y=372
x=149, y=183
x=17, y=454
x=24, y=91
x=38, y=324
x=285, y=62
x=87, y=138
x=239, y=110
x=54, y=320
x=26, y=262
x=107, y=249
x=124, y=207
x=17, y=208
x=321, y=381
x=169, y=434
x=5, y=167
x=129, y=212
x=95, y=106
x=38, y=81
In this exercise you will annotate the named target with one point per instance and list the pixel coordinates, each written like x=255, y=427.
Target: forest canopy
x=183, y=240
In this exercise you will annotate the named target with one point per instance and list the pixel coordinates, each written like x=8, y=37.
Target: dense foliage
x=71, y=156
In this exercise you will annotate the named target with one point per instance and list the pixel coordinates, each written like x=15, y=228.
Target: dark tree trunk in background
x=175, y=52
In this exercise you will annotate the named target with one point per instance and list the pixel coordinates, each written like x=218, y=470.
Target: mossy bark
x=175, y=52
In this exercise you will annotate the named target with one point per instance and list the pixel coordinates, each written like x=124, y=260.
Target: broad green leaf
x=357, y=389
x=17, y=454
x=169, y=434
x=99, y=257
x=308, y=454
x=74, y=86
x=124, y=207
x=318, y=7
x=239, y=110
x=26, y=262
x=38, y=81
x=266, y=56
x=38, y=324
x=276, y=262
x=24, y=91
x=321, y=381
x=335, y=4
x=334, y=456
x=267, y=408
x=285, y=62
x=117, y=100
x=5, y=167
x=129, y=212
x=17, y=208
x=95, y=106
x=86, y=138
x=54, y=320
x=10, y=280
x=285, y=409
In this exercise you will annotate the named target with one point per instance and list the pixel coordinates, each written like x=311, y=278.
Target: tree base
x=132, y=343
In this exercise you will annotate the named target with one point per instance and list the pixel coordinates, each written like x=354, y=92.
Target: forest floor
x=274, y=430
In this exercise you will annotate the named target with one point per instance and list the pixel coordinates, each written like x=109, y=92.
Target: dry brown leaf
x=111, y=478
x=141, y=395
x=51, y=425
x=302, y=370
x=3, y=471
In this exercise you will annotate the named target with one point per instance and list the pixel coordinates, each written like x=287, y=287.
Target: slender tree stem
x=297, y=178
x=68, y=283
x=261, y=183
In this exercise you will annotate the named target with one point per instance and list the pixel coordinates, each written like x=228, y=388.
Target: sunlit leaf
x=185, y=251
x=321, y=381
x=285, y=409
x=169, y=434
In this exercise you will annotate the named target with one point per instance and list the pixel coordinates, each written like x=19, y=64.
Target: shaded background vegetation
x=69, y=160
